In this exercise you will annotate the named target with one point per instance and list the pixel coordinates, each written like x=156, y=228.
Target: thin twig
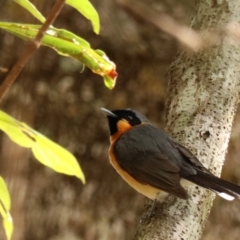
x=30, y=49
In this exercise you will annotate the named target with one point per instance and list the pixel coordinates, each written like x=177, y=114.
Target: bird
x=151, y=162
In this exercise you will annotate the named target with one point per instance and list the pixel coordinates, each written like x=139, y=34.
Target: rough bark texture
x=203, y=96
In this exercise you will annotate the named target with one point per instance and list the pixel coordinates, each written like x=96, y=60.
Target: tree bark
x=202, y=98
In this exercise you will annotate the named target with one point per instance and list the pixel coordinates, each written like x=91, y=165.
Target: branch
x=203, y=93
x=30, y=49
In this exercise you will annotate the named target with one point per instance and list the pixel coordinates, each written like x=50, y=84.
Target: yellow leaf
x=46, y=151
x=5, y=205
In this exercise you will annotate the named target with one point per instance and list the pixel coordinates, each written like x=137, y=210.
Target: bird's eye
x=129, y=118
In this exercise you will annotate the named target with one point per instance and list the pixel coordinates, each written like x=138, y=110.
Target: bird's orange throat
x=122, y=126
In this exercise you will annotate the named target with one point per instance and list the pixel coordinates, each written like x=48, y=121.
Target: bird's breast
x=145, y=189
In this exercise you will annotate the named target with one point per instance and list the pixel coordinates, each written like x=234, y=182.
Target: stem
x=30, y=49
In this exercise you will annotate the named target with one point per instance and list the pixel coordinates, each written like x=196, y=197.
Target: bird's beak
x=107, y=112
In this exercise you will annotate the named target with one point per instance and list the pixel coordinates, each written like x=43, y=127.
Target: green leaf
x=5, y=205
x=83, y=6
x=8, y=226
x=109, y=82
x=46, y=151
x=55, y=156
x=4, y=196
x=31, y=8
x=88, y=11
x=68, y=44
x=10, y=126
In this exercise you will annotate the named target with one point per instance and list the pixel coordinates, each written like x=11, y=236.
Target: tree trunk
x=203, y=95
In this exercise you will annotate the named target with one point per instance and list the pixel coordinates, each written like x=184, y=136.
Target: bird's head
x=122, y=120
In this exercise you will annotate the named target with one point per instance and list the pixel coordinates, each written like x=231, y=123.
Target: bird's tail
x=223, y=188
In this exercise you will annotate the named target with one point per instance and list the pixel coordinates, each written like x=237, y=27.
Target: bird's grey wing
x=139, y=155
